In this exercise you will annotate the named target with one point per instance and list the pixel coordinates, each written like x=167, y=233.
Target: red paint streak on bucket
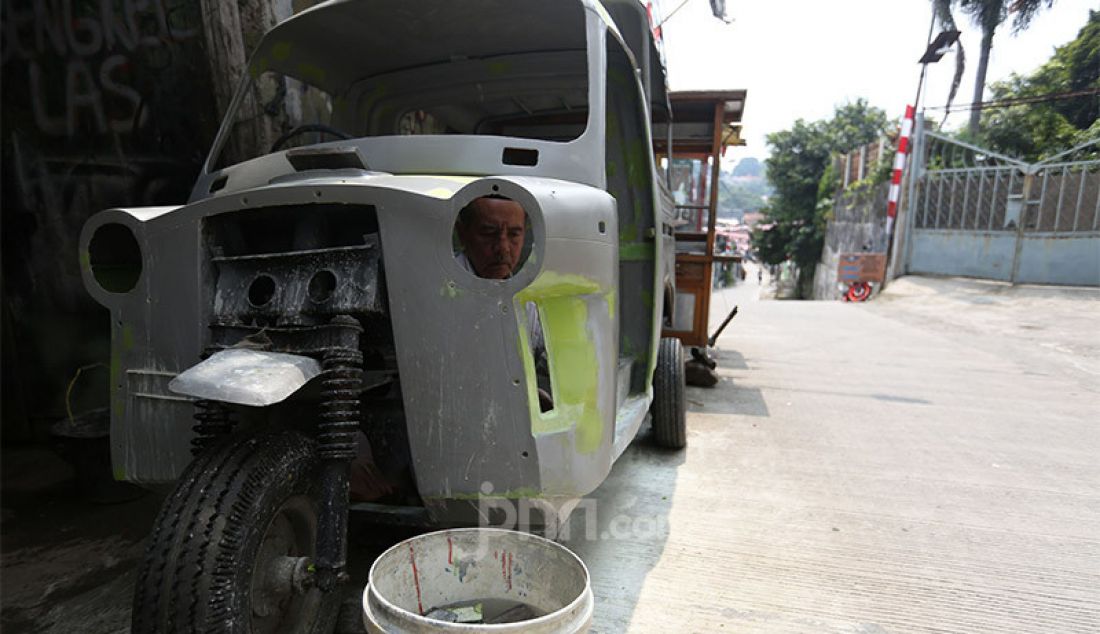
x=416, y=580
x=450, y=552
x=506, y=569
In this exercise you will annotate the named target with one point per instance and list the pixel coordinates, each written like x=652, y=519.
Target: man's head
x=492, y=231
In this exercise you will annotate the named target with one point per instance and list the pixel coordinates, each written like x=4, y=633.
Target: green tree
x=1035, y=130
x=987, y=15
x=799, y=170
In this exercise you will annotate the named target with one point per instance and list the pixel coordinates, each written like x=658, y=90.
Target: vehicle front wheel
x=668, y=409
x=231, y=547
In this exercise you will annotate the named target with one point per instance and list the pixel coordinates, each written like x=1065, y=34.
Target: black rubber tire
x=668, y=409
x=199, y=565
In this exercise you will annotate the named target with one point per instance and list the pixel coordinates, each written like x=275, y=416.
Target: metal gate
x=976, y=213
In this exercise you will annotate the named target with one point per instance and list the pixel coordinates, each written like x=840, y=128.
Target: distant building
x=752, y=218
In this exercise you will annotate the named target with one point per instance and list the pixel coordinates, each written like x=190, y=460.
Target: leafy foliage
x=800, y=170
x=1035, y=130
x=987, y=15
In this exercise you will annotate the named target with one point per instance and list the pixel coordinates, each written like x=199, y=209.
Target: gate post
x=1021, y=219
x=904, y=239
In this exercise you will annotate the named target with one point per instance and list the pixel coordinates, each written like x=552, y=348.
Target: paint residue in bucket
x=484, y=611
x=416, y=579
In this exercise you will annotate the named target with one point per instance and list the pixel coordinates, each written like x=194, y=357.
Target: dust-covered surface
x=66, y=564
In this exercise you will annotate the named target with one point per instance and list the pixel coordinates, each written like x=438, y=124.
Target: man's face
x=493, y=237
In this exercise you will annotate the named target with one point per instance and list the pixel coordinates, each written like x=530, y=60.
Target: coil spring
x=342, y=376
x=214, y=420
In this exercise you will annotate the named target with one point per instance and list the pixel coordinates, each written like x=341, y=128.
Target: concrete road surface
x=926, y=462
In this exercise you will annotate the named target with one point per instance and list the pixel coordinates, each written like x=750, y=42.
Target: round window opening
x=114, y=256
x=492, y=237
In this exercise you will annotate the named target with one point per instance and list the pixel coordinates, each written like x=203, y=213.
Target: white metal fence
x=976, y=213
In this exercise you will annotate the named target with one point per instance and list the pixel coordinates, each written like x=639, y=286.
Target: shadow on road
x=727, y=398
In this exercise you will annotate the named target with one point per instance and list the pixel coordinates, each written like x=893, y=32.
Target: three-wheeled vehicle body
x=313, y=308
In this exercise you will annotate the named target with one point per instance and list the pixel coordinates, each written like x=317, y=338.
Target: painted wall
x=105, y=103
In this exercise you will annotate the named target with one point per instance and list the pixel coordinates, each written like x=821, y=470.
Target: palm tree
x=988, y=15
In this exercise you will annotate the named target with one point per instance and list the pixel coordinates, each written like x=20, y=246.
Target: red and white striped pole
x=899, y=167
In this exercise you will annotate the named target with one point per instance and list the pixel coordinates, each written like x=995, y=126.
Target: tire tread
x=189, y=579
x=669, y=413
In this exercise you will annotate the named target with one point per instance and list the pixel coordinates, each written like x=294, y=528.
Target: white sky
x=800, y=58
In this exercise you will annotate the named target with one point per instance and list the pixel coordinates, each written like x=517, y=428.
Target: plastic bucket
x=488, y=567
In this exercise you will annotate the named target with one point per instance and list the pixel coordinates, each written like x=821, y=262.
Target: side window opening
x=536, y=341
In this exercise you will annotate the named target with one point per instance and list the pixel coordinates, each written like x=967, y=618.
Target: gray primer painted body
x=470, y=409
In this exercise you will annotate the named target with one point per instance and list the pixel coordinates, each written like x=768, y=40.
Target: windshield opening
x=351, y=70
x=277, y=112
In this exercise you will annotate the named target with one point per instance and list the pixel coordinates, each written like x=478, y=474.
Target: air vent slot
x=327, y=158
x=520, y=156
x=219, y=183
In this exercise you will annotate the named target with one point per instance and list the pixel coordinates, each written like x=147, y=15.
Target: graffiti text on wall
x=79, y=56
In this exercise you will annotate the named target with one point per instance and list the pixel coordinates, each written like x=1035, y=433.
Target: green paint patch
x=573, y=370
x=616, y=75
x=571, y=350
x=563, y=301
x=85, y=259
x=553, y=284
x=450, y=290
x=441, y=193
x=637, y=165
x=119, y=473
x=499, y=68
x=462, y=180
x=128, y=340
x=312, y=74
x=628, y=348
x=612, y=123
x=281, y=51
x=636, y=252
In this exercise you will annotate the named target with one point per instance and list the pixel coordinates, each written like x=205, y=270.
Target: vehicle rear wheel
x=669, y=415
x=231, y=547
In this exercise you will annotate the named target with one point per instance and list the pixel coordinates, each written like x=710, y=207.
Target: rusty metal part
x=278, y=579
x=213, y=420
x=342, y=378
x=714, y=338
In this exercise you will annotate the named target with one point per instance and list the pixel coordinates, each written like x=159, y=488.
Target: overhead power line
x=1017, y=101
